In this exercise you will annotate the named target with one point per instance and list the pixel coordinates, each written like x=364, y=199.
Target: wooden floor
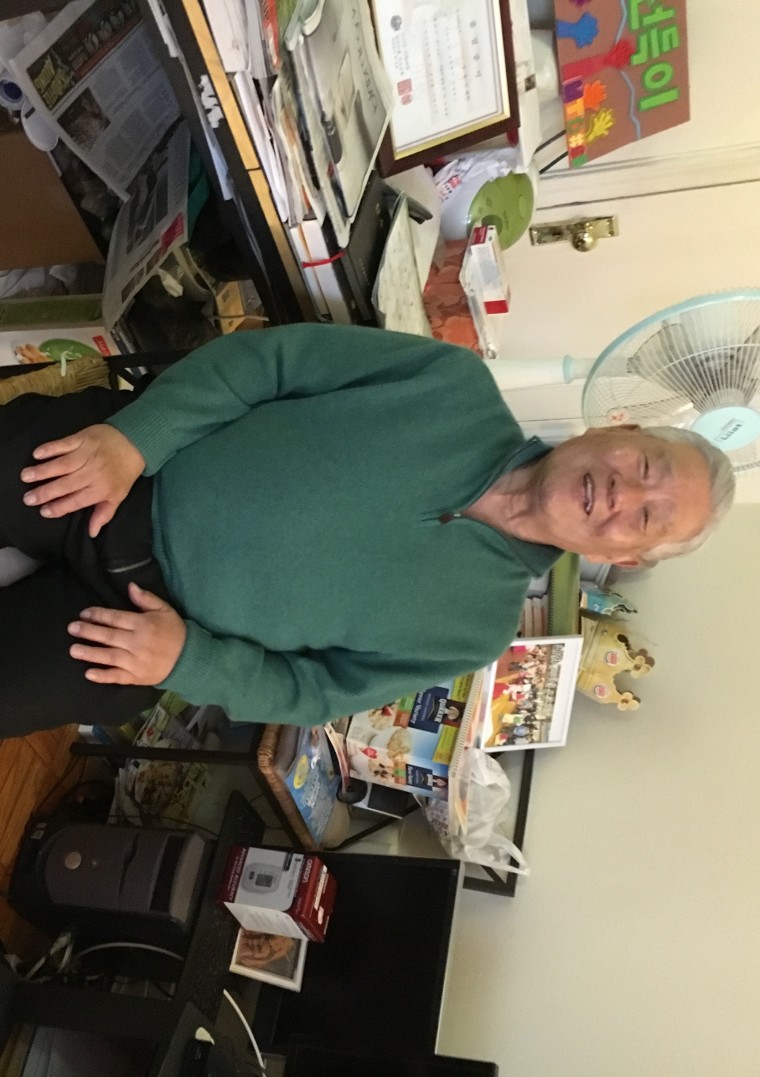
x=30, y=768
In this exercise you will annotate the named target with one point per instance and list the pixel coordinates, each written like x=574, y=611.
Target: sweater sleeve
x=220, y=381
x=253, y=684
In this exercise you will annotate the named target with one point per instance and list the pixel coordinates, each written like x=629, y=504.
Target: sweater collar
x=536, y=557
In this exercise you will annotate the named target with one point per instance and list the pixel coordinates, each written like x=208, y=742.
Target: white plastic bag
x=483, y=840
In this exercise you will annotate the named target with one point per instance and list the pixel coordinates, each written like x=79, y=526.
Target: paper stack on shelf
x=344, y=98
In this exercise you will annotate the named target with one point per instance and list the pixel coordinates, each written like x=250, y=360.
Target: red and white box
x=484, y=280
x=279, y=893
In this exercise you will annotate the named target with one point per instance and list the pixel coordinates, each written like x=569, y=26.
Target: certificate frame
x=397, y=154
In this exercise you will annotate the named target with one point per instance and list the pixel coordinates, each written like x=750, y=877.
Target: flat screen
x=61, y=1052
x=305, y=1060
x=378, y=977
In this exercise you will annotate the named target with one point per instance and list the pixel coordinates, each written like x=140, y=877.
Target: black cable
x=180, y=824
x=82, y=760
x=551, y=164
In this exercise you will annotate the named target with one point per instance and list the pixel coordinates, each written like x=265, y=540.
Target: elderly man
x=304, y=522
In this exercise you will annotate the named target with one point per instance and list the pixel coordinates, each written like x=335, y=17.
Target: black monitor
x=379, y=975
x=306, y=1060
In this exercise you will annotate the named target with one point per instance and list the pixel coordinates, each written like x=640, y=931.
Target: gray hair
x=722, y=488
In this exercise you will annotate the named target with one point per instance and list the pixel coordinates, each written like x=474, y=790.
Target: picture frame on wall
x=452, y=73
x=273, y=959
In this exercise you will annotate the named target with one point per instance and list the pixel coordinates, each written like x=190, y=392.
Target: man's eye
x=645, y=519
x=646, y=467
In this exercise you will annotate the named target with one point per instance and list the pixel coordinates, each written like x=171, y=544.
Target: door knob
x=582, y=238
x=583, y=234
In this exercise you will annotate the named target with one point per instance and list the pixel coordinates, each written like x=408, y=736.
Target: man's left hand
x=130, y=648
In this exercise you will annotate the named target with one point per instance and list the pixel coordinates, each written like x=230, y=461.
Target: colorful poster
x=623, y=72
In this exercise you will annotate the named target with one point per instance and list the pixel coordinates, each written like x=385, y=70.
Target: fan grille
x=681, y=364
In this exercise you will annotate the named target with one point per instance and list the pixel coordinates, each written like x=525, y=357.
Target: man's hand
x=98, y=466
x=135, y=648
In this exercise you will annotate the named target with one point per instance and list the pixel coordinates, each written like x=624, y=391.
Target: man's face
x=615, y=493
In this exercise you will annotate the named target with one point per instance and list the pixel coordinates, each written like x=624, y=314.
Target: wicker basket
x=265, y=757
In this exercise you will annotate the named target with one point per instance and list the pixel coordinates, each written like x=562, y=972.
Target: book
x=274, y=19
x=304, y=763
x=323, y=271
x=528, y=694
x=228, y=22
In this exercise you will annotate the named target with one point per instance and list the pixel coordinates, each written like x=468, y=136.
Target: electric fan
x=694, y=365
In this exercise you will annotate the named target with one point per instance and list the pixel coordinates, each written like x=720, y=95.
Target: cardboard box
x=279, y=893
x=39, y=223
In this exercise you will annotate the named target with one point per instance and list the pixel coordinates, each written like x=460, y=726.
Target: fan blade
x=708, y=375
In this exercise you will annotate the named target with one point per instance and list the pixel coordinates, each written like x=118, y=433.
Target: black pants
x=41, y=685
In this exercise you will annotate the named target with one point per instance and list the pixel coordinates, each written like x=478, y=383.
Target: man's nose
x=625, y=492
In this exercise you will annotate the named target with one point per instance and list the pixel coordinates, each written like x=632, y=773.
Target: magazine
x=411, y=742
x=150, y=224
x=93, y=74
x=528, y=693
x=160, y=789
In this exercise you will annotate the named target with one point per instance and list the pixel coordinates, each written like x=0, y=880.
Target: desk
x=386, y=953
x=204, y=975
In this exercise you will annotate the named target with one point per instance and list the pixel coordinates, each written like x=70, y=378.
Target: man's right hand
x=98, y=466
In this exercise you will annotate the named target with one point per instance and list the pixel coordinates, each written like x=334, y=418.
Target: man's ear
x=628, y=562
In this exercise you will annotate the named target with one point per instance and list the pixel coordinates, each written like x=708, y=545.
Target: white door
x=688, y=208
x=671, y=246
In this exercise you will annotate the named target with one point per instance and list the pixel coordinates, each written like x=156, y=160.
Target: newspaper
x=93, y=73
x=151, y=224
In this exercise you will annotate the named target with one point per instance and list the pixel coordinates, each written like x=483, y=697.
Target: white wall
x=633, y=949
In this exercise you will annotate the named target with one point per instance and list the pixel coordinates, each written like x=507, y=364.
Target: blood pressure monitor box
x=279, y=893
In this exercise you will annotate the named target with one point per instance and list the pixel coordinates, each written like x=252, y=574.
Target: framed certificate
x=452, y=73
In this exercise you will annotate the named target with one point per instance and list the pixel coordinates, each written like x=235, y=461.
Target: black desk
x=203, y=978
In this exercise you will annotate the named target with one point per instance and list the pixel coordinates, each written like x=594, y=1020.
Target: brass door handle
x=583, y=234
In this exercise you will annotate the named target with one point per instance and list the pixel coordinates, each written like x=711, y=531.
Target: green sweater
x=301, y=474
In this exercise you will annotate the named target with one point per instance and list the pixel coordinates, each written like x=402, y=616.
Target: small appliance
x=109, y=881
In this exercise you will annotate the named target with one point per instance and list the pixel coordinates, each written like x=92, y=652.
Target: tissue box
x=279, y=893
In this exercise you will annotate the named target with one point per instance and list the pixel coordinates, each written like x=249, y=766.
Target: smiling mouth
x=588, y=494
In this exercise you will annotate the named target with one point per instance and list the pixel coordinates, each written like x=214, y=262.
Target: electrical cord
x=247, y=1027
x=127, y=946
x=82, y=763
